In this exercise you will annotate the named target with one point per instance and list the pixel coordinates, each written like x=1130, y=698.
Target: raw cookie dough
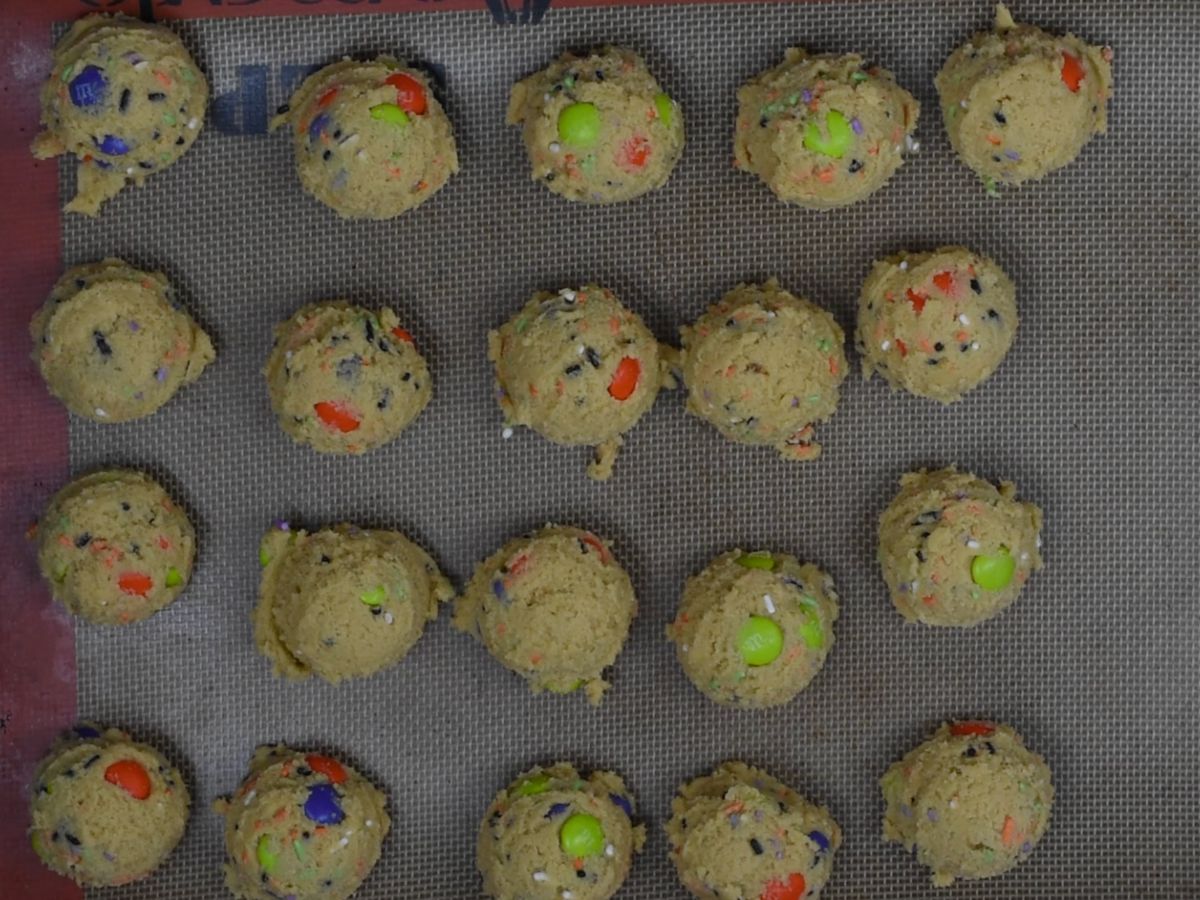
x=113, y=343
x=114, y=548
x=553, y=834
x=554, y=607
x=936, y=324
x=823, y=131
x=302, y=826
x=125, y=98
x=753, y=629
x=1019, y=102
x=762, y=366
x=739, y=834
x=955, y=550
x=578, y=368
x=106, y=811
x=344, y=379
x=598, y=128
x=972, y=800
x=343, y=602
x=371, y=139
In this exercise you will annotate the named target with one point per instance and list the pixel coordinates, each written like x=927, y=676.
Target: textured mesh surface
x=1094, y=415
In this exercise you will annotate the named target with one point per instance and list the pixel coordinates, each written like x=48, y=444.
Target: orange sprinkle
x=833, y=365
x=559, y=387
x=961, y=336
x=1009, y=833
x=993, y=139
x=535, y=658
x=902, y=347
x=826, y=175
x=917, y=300
x=944, y=281
x=577, y=863
x=162, y=78
x=928, y=600
x=64, y=540
x=614, y=325
x=533, y=391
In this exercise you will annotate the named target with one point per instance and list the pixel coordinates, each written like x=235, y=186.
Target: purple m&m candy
x=86, y=731
x=112, y=145
x=820, y=840
x=318, y=125
x=322, y=805
x=89, y=87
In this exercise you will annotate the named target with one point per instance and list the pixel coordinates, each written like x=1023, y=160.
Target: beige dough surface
x=125, y=98
x=114, y=548
x=762, y=366
x=972, y=801
x=521, y=853
x=371, y=139
x=938, y=529
x=301, y=825
x=577, y=367
x=1019, y=102
x=634, y=132
x=113, y=343
x=344, y=379
x=554, y=606
x=105, y=810
x=343, y=602
x=823, y=131
x=738, y=590
x=740, y=834
x=936, y=324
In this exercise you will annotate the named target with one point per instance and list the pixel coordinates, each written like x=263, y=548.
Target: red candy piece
x=326, y=98
x=136, y=583
x=402, y=334
x=944, y=281
x=792, y=889
x=130, y=776
x=978, y=729
x=410, y=94
x=336, y=416
x=1072, y=72
x=327, y=766
x=625, y=379
x=596, y=544
x=636, y=151
x=902, y=347
x=917, y=301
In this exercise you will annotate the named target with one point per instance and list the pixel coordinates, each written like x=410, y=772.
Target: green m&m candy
x=579, y=125
x=993, y=571
x=266, y=859
x=837, y=139
x=174, y=579
x=581, y=835
x=759, y=559
x=662, y=104
x=390, y=113
x=534, y=784
x=760, y=641
x=374, y=597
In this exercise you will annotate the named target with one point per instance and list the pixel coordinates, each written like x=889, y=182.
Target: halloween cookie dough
x=553, y=833
x=371, y=139
x=972, y=801
x=554, y=607
x=753, y=629
x=936, y=324
x=113, y=343
x=577, y=367
x=105, y=810
x=740, y=833
x=114, y=548
x=303, y=826
x=344, y=379
x=955, y=549
x=823, y=131
x=343, y=602
x=125, y=98
x=762, y=366
x=1019, y=102
x=598, y=128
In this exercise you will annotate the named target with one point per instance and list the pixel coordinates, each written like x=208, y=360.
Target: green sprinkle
x=263, y=557
x=812, y=632
x=174, y=579
x=298, y=848
x=814, y=398
x=187, y=75
x=68, y=72
x=576, y=685
x=859, y=77
x=759, y=559
x=568, y=81
x=60, y=573
x=390, y=113
x=824, y=345
x=522, y=324
x=793, y=99
x=375, y=596
x=662, y=104
x=169, y=118
x=266, y=858
x=989, y=186
x=164, y=157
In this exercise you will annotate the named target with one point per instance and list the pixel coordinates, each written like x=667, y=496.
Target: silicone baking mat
x=1094, y=415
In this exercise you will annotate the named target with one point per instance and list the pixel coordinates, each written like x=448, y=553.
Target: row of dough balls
x=372, y=141
x=972, y=802
x=576, y=366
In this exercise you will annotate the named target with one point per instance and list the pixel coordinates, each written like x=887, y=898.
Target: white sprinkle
x=101, y=413
x=193, y=122
x=579, y=350
x=914, y=586
x=886, y=345
x=904, y=265
x=288, y=355
x=546, y=98
x=974, y=345
x=770, y=313
x=897, y=148
x=389, y=618
x=964, y=319
x=769, y=604
x=973, y=544
x=370, y=823
x=1037, y=543
x=610, y=851
x=554, y=147
x=567, y=895
x=953, y=804
x=913, y=146
x=361, y=155
x=249, y=798
x=1024, y=557
x=141, y=66
x=540, y=876
x=349, y=140
x=963, y=103
x=506, y=433
x=683, y=647
x=129, y=171
x=567, y=294
x=344, y=842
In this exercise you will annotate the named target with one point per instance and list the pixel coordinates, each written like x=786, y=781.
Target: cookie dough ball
x=303, y=826
x=598, y=128
x=114, y=548
x=105, y=810
x=554, y=607
x=956, y=550
x=113, y=343
x=753, y=629
x=762, y=366
x=936, y=324
x=125, y=98
x=553, y=834
x=371, y=139
x=578, y=368
x=823, y=131
x=307, y=621
x=1019, y=102
x=344, y=379
x=739, y=833
x=972, y=801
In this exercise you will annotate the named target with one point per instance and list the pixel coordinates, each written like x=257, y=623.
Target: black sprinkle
x=592, y=357
x=992, y=314
x=91, y=761
x=385, y=346
x=283, y=108
x=932, y=362
x=370, y=329
x=995, y=158
x=349, y=367
x=574, y=370
x=264, y=878
x=756, y=846
x=328, y=882
x=101, y=343
x=327, y=155
x=53, y=836
x=376, y=611
x=999, y=117
x=124, y=102
x=416, y=385
x=83, y=540
x=970, y=752
x=855, y=165
x=179, y=141
x=599, y=74
x=976, y=286
x=579, y=873
x=79, y=282
x=156, y=96
x=939, y=346
x=146, y=165
x=964, y=347
x=764, y=122
x=124, y=506
x=782, y=806
x=384, y=399
x=991, y=748
x=549, y=176
x=303, y=771
x=305, y=835
x=406, y=376
x=920, y=556
x=337, y=134
x=72, y=840
x=325, y=560
x=731, y=323
x=136, y=550
x=155, y=135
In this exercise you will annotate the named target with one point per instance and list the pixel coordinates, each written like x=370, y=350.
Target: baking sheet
x=1094, y=415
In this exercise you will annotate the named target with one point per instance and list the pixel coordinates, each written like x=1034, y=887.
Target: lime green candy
x=375, y=596
x=662, y=103
x=812, y=632
x=579, y=124
x=567, y=688
x=582, y=835
x=174, y=579
x=390, y=113
x=266, y=858
x=838, y=140
x=537, y=784
x=760, y=641
x=993, y=572
x=759, y=559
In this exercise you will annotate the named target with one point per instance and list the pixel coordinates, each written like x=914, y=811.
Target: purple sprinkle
x=792, y=582
x=134, y=326
x=339, y=180
x=1012, y=154
x=161, y=374
x=931, y=814
x=819, y=838
x=758, y=815
x=735, y=820
x=109, y=856
x=856, y=125
x=498, y=590
x=282, y=525
x=103, y=164
x=906, y=810
x=1027, y=847
x=132, y=58
x=138, y=395
x=625, y=805
x=86, y=731
x=806, y=95
x=558, y=809
x=318, y=126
